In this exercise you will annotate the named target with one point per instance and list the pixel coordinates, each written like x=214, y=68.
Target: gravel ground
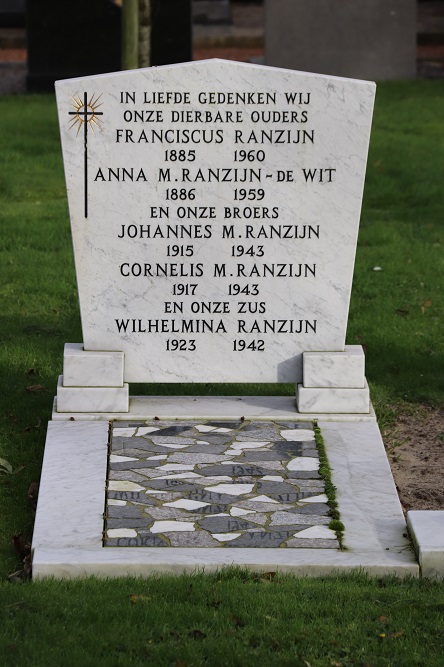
x=415, y=449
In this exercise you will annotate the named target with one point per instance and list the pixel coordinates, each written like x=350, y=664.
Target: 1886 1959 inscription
x=214, y=212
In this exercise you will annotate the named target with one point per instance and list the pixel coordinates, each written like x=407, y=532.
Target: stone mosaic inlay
x=216, y=484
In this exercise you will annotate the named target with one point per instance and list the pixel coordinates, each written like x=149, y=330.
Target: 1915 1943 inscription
x=215, y=210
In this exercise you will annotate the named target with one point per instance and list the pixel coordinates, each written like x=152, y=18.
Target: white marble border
x=212, y=407
x=427, y=530
x=67, y=539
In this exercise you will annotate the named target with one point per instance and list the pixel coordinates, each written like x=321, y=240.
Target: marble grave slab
x=68, y=535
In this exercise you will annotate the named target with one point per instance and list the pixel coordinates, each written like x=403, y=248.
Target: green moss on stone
x=330, y=489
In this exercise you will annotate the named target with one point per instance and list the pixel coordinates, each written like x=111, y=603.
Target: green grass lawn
x=396, y=313
x=232, y=619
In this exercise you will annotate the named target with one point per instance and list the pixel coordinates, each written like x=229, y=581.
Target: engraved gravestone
x=357, y=38
x=214, y=210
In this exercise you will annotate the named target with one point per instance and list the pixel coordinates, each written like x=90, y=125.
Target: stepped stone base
x=68, y=536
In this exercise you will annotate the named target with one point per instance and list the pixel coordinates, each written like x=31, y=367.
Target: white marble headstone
x=215, y=210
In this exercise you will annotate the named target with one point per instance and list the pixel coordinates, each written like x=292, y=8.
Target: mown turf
x=231, y=619
x=397, y=313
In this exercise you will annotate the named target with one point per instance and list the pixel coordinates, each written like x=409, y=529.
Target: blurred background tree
x=136, y=33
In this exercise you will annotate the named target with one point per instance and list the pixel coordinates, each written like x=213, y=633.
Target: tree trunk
x=144, y=33
x=130, y=34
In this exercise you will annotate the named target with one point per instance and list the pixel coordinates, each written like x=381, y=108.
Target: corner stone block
x=312, y=400
x=92, y=399
x=427, y=531
x=84, y=368
x=335, y=369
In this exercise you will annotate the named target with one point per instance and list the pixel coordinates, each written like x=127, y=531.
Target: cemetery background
x=213, y=37
x=243, y=39
x=410, y=309
x=41, y=301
